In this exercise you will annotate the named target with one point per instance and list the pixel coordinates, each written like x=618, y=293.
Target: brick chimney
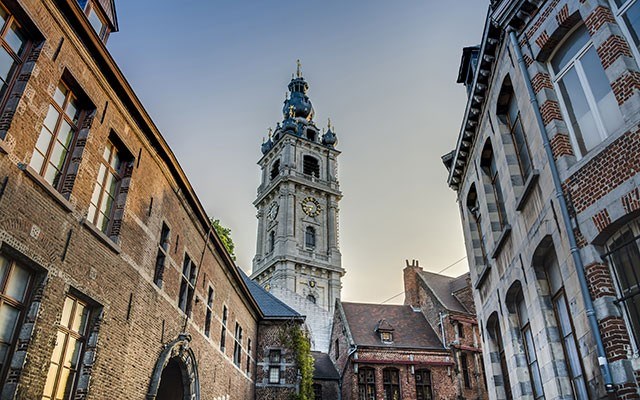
x=411, y=271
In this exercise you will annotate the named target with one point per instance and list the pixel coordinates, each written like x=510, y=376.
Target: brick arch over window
x=551, y=34
x=513, y=136
x=177, y=351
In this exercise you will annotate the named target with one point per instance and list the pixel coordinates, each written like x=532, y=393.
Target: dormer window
x=386, y=337
x=96, y=18
x=385, y=330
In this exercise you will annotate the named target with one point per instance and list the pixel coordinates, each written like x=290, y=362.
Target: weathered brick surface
x=600, y=280
x=561, y=146
x=613, y=48
x=550, y=111
x=138, y=317
x=541, y=81
x=600, y=16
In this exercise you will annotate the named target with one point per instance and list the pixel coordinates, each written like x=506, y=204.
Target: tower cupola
x=298, y=105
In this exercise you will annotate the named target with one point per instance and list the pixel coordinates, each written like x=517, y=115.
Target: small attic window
x=386, y=337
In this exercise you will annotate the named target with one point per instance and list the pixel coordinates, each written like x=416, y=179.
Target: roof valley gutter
x=557, y=184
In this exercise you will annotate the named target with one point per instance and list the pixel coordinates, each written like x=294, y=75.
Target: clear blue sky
x=213, y=75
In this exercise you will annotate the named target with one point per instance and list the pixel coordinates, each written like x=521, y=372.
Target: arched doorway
x=171, y=385
x=175, y=376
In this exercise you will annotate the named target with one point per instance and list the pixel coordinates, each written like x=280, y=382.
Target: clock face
x=311, y=206
x=273, y=211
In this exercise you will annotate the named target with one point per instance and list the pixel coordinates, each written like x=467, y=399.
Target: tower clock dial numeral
x=311, y=206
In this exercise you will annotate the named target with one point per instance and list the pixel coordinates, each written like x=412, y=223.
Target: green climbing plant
x=295, y=338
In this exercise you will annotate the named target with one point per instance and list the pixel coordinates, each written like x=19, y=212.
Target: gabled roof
x=271, y=307
x=444, y=287
x=411, y=329
x=323, y=367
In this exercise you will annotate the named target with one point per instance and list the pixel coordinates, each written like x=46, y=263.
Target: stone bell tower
x=297, y=255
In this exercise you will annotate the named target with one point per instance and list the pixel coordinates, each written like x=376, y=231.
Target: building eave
x=121, y=88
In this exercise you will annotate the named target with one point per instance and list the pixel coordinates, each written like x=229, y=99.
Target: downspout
x=346, y=364
x=557, y=184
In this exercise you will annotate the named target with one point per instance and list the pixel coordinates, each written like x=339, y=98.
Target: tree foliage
x=297, y=339
x=224, y=234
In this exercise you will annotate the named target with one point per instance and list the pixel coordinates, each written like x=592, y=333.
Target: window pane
x=4, y=267
x=580, y=116
x=43, y=140
x=52, y=175
x=574, y=358
x=632, y=19
x=65, y=135
x=6, y=64
x=51, y=118
x=18, y=281
x=58, y=155
x=80, y=318
x=95, y=21
x=599, y=83
x=62, y=383
x=72, y=109
x=8, y=321
x=60, y=94
x=3, y=17
x=37, y=160
x=57, y=350
x=563, y=316
x=570, y=48
x=15, y=39
x=51, y=380
x=66, y=312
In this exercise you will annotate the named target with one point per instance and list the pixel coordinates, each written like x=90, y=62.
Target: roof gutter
x=566, y=219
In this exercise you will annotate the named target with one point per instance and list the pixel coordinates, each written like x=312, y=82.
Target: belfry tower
x=297, y=255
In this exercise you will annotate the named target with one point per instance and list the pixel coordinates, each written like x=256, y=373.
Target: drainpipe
x=346, y=364
x=557, y=184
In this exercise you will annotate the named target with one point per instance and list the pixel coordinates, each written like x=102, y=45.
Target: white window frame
x=575, y=62
x=634, y=226
x=617, y=13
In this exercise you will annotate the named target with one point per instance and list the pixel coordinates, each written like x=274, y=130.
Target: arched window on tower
x=310, y=237
x=311, y=166
x=311, y=298
x=272, y=240
x=275, y=170
x=311, y=135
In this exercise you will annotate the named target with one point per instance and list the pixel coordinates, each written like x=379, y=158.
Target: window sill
x=482, y=276
x=101, y=236
x=39, y=180
x=506, y=232
x=528, y=187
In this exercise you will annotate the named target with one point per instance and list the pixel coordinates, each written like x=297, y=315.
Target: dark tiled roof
x=323, y=367
x=271, y=307
x=411, y=329
x=443, y=287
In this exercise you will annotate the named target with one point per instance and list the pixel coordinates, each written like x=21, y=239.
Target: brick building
x=112, y=282
x=424, y=349
x=546, y=173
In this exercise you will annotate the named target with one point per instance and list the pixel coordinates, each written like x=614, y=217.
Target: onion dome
x=268, y=145
x=298, y=102
x=329, y=138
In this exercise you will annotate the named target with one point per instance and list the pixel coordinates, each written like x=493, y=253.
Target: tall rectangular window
x=223, y=332
x=15, y=283
x=366, y=384
x=13, y=51
x=274, y=366
x=565, y=328
x=207, y=320
x=529, y=346
x=67, y=353
x=57, y=138
x=105, y=192
x=248, y=366
x=464, y=364
x=163, y=251
x=237, y=346
x=187, y=283
x=391, y=383
x=588, y=103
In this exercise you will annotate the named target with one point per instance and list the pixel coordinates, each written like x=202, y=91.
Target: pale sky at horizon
x=213, y=75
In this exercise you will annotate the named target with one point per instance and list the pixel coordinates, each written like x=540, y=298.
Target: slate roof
x=444, y=287
x=411, y=329
x=323, y=367
x=271, y=307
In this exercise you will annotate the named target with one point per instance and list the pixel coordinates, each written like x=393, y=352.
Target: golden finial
x=329, y=123
x=291, y=114
x=299, y=67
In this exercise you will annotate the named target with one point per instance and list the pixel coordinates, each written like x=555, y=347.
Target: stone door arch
x=175, y=373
